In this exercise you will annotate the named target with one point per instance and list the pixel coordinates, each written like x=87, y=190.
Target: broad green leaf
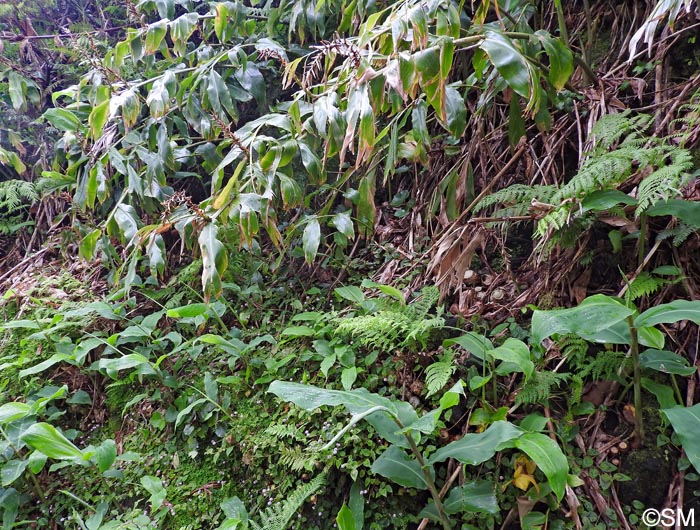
x=132, y=360
x=62, y=119
x=388, y=290
x=596, y=313
x=154, y=36
x=105, y=454
x=9, y=502
x=127, y=220
x=664, y=393
x=670, y=313
x=13, y=411
x=549, y=457
x=348, y=377
x=298, y=331
x=356, y=502
x=477, y=448
x=44, y=365
x=474, y=343
x=47, y=440
x=188, y=311
x=666, y=362
x=516, y=352
x=516, y=123
x=180, y=30
x=86, y=249
x=356, y=402
x=351, y=293
x=98, y=118
x=154, y=486
x=686, y=423
x=214, y=260
x=455, y=112
x=37, y=460
x=344, y=519
x=185, y=413
x=395, y=465
x=473, y=497
x=311, y=239
x=561, y=60
x=686, y=211
x=17, y=87
x=343, y=223
x=365, y=206
x=509, y=62
x=12, y=470
x=601, y=200
x=292, y=194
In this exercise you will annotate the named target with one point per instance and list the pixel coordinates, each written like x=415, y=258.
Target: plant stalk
x=430, y=482
x=634, y=352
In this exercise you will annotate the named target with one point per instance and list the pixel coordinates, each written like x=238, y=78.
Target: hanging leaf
x=561, y=60
x=62, y=119
x=311, y=239
x=154, y=35
x=98, y=118
x=510, y=63
x=214, y=261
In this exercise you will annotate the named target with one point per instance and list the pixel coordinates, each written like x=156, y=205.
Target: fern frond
x=14, y=194
x=605, y=365
x=679, y=233
x=666, y=181
x=538, y=388
x=516, y=198
x=438, y=374
x=297, y=458
x=277, y=517
x=644, y=285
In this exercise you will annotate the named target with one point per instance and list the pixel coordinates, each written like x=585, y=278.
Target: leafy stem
x=634, y=353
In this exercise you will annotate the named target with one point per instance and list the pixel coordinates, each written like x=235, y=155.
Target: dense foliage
x=228, y=225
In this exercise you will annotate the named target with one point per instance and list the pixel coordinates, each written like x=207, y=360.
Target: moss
x=651, y=470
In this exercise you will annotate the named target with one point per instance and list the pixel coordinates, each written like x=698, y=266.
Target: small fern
x=438, y=374
x=538, y=388
x=643, y=285
x=277, y=517
x=397, y=327
x=605, y=365
x=15, y=195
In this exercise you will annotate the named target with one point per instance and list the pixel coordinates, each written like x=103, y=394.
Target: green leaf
x=474, y=497
x=670, y=313
x=106, y=454
x=132, y=360
x=344, y=519
x=509, y=62
x=154, y=486
x=98, y=118
x=365, y=206
x=666, y=362
x=596, y=313
x=561, y=60
x=154, y=35
x=184, y=413
x=664, y=393
x=47, y=440
x=311, y=239
x=188, y=311
x=474, y=343
x=549, y=457
x=351, y=293
x=214, y=260
x=395, y=465
x=62, y=119
x=477, y=448
x=13, y=411
x=601, y=200
x=12, y=470
x=356, y=402
x=455, y=112
x=343, y=223
x=686, y=211
x=348, y=377
x=180, y=30
x=516, y=352
x=686, y=423
x=17, y=87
